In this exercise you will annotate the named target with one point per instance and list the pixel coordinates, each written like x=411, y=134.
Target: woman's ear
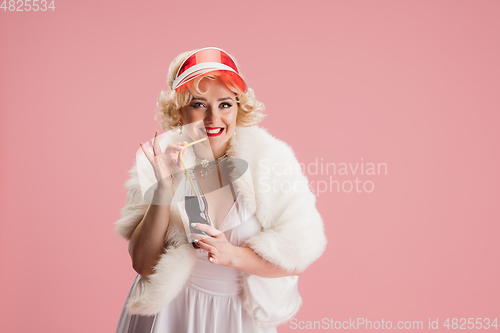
x=180, y=116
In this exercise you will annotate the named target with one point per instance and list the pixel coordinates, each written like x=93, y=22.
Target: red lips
x=211, y=129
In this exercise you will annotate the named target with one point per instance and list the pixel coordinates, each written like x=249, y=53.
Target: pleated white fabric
x=211, y=299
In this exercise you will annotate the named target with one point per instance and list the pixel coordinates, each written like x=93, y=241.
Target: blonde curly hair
x=170, y=103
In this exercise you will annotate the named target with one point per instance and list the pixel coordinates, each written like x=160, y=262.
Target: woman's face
x=215, y=113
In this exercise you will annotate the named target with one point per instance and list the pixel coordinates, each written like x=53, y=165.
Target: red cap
x=206, y=60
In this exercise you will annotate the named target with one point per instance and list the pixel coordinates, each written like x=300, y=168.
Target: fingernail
x=211, y=259
x=196, y=241
x=193, y=225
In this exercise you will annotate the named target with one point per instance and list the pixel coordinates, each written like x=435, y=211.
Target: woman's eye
x=224, y=105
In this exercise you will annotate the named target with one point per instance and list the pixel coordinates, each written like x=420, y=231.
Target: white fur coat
x=292, y=234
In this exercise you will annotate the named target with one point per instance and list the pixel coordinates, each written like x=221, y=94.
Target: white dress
x=210, y=301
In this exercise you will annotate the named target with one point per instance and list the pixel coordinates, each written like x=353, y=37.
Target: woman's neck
x=202, y=153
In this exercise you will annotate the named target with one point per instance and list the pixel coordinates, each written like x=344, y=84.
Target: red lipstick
x=212, y=131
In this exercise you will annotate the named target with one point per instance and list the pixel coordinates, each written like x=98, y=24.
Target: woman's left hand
x=220, y=251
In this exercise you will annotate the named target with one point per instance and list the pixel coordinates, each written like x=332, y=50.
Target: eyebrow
x=219, y=100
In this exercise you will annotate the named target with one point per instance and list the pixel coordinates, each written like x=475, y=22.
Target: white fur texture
x=292, y=235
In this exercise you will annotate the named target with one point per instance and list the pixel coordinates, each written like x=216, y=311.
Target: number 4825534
x=27, y=5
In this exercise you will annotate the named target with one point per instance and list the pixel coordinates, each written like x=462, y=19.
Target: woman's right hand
x=165, y=163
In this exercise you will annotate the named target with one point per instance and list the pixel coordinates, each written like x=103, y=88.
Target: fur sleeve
x=293, y=234
x=135, y=207
x=140, y=187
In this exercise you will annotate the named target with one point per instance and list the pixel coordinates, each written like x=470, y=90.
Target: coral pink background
x=413, y=84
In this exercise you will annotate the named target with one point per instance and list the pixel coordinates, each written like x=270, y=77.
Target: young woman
x=219, y=217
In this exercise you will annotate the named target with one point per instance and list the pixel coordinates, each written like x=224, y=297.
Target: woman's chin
x=216, y=143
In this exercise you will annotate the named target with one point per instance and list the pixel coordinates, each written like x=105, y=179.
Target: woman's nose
x=213, y=115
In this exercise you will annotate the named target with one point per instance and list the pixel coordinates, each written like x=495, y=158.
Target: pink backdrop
x=412, y=84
